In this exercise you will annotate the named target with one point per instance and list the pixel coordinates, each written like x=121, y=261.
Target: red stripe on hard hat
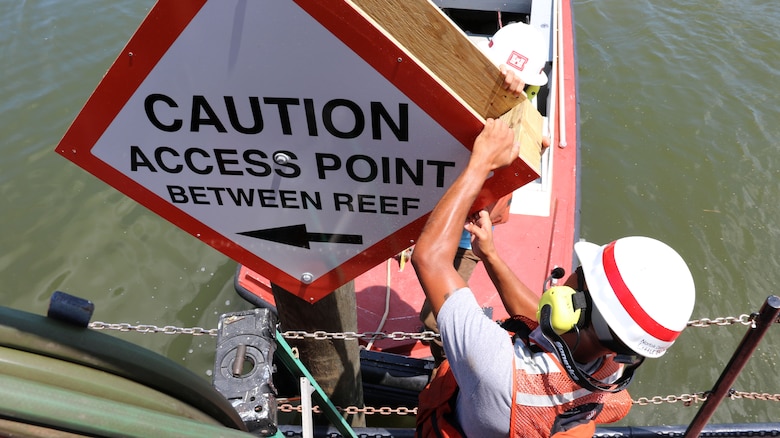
x=626, y=298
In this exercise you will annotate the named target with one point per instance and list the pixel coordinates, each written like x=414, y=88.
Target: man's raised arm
x=438, y=242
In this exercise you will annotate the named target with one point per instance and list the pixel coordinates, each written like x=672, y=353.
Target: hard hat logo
x=522, y=47
x=633, y=281
x=517, y=61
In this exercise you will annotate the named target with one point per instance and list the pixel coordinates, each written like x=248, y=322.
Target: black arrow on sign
x=296, y=235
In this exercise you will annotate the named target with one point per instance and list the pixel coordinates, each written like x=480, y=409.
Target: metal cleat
x=243, y=367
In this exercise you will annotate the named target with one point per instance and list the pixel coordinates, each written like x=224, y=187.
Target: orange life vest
x=546, y=404
x=436, y=408
x=551, y=404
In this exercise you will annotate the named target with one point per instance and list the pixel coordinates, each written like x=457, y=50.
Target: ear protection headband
x=566, y=358
x=567, y=308
x=561, y=309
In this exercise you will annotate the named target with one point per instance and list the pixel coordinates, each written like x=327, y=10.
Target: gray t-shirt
x=480, y=354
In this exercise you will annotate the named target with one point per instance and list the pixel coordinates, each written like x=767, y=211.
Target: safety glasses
x=606, y=336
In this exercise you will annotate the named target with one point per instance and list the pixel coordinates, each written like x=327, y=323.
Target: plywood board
x=431, y=37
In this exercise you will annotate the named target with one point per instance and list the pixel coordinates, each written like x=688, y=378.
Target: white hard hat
x=521, y=47
x=642, y=288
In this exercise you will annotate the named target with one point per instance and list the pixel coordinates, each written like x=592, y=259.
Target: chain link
x=149, y=328
x=687, y=399
x=395, y=336
x=352, y=410
x=743, y=319
x=297, y=434
x=291, y=334
x=754, y=396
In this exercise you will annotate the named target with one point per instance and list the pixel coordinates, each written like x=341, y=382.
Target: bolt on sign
x=301, y=138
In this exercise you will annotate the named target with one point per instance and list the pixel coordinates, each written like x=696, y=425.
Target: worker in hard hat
x=574, y=351
x=517, y=50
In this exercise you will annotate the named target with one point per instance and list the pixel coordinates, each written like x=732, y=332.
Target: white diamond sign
x=304, y=148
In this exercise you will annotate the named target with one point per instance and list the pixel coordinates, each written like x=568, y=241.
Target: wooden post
x=334, y=363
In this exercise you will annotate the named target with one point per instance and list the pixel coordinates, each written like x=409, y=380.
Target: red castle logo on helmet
x=517, y=60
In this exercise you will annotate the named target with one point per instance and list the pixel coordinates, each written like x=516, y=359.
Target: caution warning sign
x=306, y=155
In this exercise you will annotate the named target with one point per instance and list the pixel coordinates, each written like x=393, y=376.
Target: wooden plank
x=527, y=124
x=436, y=42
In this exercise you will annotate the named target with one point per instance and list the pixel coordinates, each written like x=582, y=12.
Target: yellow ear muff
x=531, y=91
x=563, y=315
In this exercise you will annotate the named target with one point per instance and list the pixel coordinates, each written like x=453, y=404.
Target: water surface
x=679, y=126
